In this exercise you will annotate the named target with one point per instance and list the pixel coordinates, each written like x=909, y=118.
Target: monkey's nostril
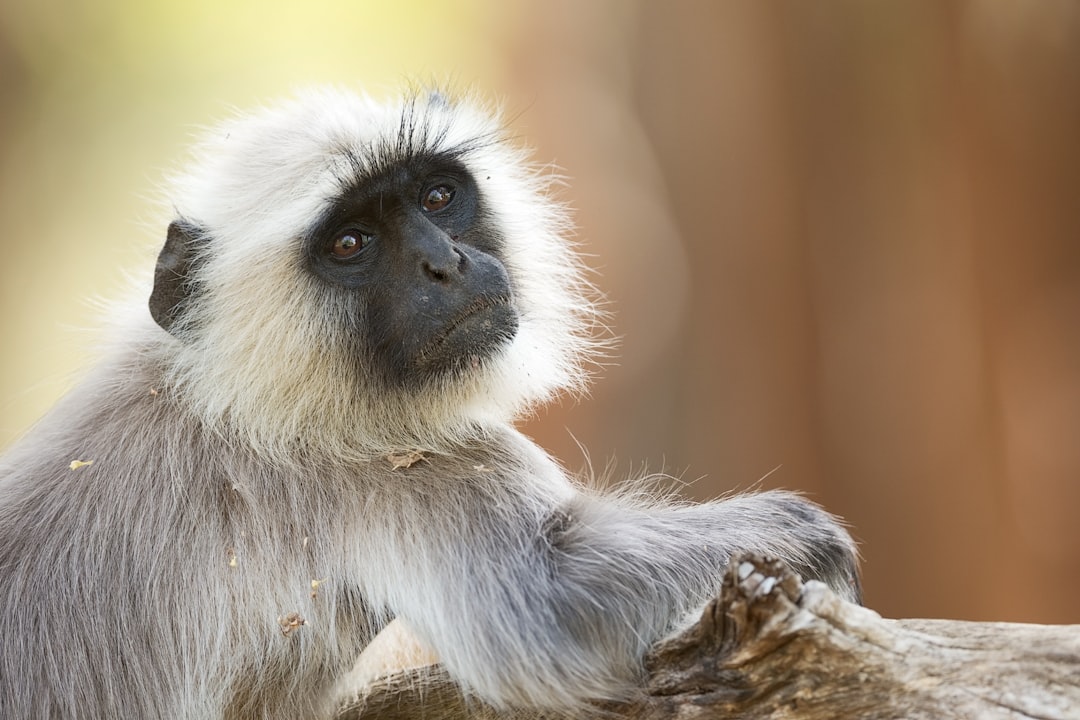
x=449, y=266
x=435, y=273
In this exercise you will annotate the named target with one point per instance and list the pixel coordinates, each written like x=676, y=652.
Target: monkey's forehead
x=332, y=120
x=283, y=162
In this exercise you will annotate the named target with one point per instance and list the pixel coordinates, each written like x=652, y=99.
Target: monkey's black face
x=414, y=243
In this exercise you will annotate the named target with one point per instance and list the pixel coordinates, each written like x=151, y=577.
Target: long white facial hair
x=265, y=357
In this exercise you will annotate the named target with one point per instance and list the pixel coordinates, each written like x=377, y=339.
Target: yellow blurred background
x=841, y=238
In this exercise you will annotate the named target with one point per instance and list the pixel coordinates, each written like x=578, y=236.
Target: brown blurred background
x=841, y=239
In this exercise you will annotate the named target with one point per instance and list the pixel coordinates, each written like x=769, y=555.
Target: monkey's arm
x=560, y=611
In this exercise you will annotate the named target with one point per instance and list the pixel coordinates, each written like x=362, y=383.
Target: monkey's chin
x=473, y=338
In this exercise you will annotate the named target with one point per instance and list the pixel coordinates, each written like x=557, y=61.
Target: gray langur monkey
x=310, y=432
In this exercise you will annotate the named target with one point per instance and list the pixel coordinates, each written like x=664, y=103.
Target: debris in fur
x=76, y=464
x=290, y=622
x=405, y=460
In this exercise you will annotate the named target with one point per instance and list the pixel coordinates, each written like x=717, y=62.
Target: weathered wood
x=774, y=647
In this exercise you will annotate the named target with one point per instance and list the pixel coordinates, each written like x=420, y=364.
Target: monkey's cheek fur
x=474, y=336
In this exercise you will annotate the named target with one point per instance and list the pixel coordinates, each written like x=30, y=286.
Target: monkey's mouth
x=481, y=328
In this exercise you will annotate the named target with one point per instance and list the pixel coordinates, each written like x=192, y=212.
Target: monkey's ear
x=173, y=283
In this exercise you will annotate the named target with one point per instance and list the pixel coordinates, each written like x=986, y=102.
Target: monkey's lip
x=481, y=326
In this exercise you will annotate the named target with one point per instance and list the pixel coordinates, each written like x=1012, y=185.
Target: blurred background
x=841, y=239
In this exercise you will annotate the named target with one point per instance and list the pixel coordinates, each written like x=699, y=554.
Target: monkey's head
x=361, y=276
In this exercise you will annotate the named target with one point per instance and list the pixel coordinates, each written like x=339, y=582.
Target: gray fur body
x=203, y=567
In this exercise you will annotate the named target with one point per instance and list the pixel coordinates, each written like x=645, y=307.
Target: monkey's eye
x=436, y=198
x=349, y=244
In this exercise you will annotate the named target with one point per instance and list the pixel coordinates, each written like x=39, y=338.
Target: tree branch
x=773, y=647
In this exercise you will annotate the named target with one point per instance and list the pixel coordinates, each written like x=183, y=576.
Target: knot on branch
x=752, y=616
